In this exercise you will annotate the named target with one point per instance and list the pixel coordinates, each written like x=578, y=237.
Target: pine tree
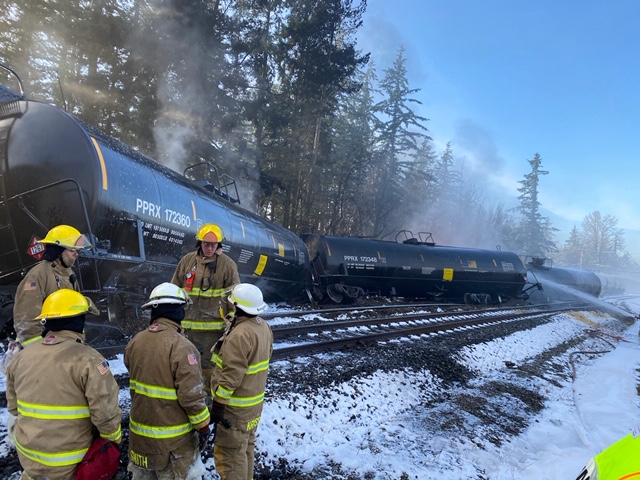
x=534, y=235
x=572, y=251
x=316, y=62
x=401, y=130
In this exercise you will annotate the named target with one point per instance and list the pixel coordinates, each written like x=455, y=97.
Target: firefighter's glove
x=203, y=438
x=217, y=412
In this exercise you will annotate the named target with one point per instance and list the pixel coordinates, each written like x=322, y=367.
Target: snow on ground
x=387, y=440
x=378, y=426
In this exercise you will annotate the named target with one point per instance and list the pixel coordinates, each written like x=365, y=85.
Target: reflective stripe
x=244, y=402
x=114, y=437
x=31, y=340
x=223, y=392
x=216, y=359
x=201, y=417
x=240, y=402
x=217, y=325
x=60, y=459
x=258, y=367
x=151, y=431
x=153, y=391
x=53, y=412
x=210, y=293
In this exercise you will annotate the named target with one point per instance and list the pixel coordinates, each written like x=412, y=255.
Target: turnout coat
x=167, y=393
x=208, y=282
x=61, y=391
x=40, y=282
x=241, y=366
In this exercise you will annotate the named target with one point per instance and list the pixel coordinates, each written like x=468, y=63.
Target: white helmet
x=167, y=293
x=248, y=298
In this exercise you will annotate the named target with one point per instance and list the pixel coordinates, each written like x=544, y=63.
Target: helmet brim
x=164, y=300
x=250, y=310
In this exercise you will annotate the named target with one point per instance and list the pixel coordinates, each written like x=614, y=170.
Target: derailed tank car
x=141, y=216
x=562, y=283
x=346, y=268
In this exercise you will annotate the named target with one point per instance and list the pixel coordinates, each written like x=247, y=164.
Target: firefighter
x=169, y=416
x=618, y=461
x=238, y=383
x=62, y=392
x=207, y=275
x=62, y=244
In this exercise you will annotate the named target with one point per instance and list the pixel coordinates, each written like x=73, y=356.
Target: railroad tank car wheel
x=477, y=298
x=315, y=294
x=115, y=309
x=334, y=294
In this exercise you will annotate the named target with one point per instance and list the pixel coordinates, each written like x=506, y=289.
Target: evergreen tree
x=534, y=235
x=571, y=253
x=400, y=130
x=345, y=192
x=419, y=185
x=443, y=217
x=316, y=60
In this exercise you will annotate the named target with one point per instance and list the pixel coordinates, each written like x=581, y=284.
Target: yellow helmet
x=210, y=228
x=66, y=303
x=67, y=237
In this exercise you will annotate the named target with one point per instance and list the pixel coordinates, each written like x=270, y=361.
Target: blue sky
x=503, y=80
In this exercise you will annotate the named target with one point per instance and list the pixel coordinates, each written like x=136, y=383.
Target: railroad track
x=309, y=338
x=310, y=335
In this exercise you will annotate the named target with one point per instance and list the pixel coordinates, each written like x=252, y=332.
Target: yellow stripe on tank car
x=103, y=167
x=281, y=250
x=261, y=264
x=447, y=274
x=193, y=207
x=244, y=235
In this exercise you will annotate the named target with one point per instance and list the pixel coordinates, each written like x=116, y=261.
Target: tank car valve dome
x=67, y=237
x=66, y=303
x=248, y=297
x=167, y=293
x=212, y=232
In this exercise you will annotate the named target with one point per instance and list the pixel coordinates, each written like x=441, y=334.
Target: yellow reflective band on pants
x=53, y=459
x=53, y=412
